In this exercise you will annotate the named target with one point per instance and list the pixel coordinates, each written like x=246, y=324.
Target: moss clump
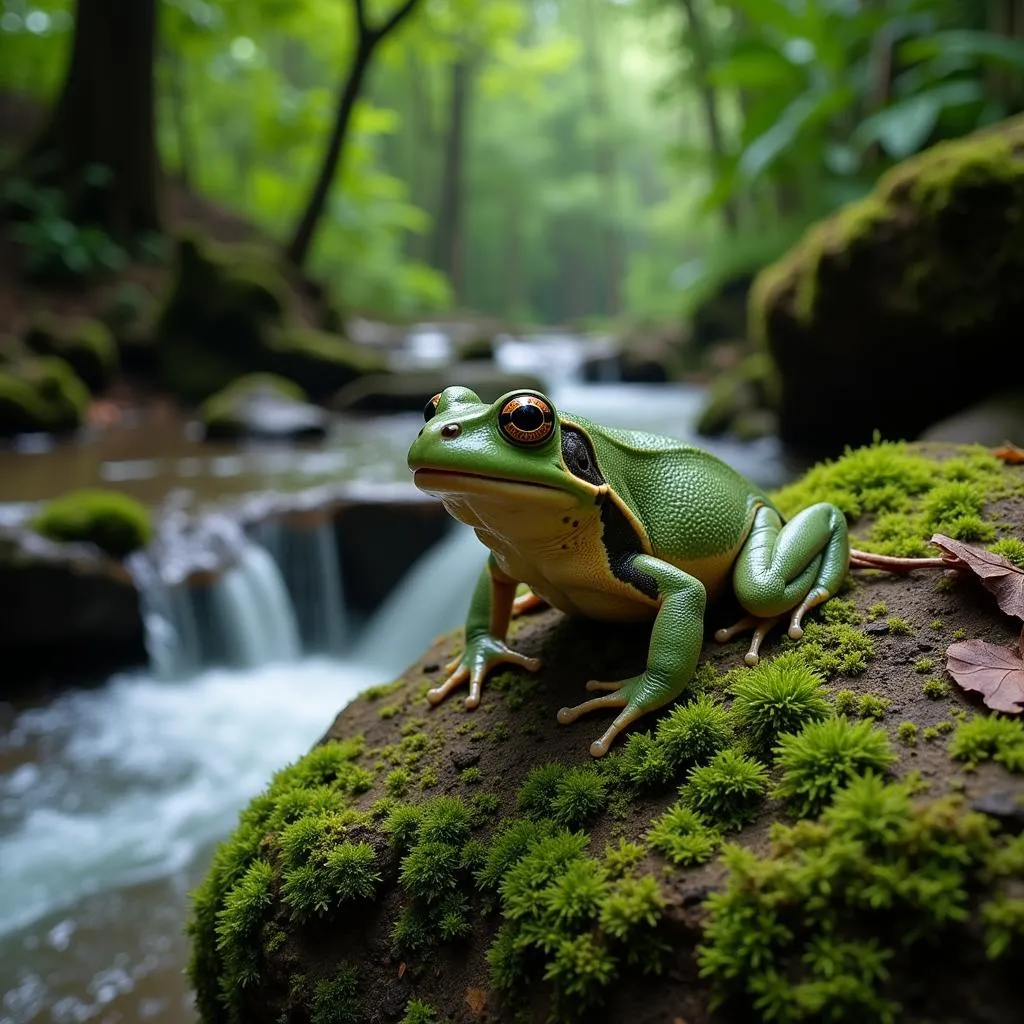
x=826, y=756
x=310, y=802
x=776, y=697
x=419, y=1012
x=935, y=689
x=877, y=611
x=728, y=790
x=845, y=702
x=907, y=732
x=989, y=738
x=570, y=797
x=683, y=836
x=1011, y=548
x=837, y=649
x=113, y=522
x=924, y=665
x=41, y=395
x=87, y=346
x=806, y=933
x=898, y=626
x=336, y=1000
x=317, y=361
x=872, y=706
x=569, y=923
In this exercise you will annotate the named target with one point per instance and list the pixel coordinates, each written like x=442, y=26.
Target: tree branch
x=361, y=16
x=397, y=17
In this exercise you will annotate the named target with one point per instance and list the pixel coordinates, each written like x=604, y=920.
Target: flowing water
x=111, y=798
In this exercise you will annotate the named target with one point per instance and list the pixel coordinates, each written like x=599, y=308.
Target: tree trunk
x=367, y=39
x=179, y=103
x=447, y=248
x=700, y=49
x=105, y=117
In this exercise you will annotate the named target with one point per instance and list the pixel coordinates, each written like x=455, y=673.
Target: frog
x=614, y=525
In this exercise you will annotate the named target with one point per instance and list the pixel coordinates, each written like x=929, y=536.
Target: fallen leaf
x=476, y=999
x=995, y=672
x=401, y=970
x=996, y=574
x=1010, y=454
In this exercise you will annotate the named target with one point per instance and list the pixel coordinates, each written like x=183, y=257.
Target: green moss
x=398, y=781
x=960, y=634
x=840, y=610
x=86, y=345
x=41, y=395
x=692, y=733
x=924, y=665
x=319, y=362
x=907, y=732
x=322, y=875
x=826, y=756
x=937, y=624
x=683, y=836
x=728, y=790
x=845, y=702
x=115, y=523
x=382, y=690
x=776, y=697
x=619, y=860
x=1003, y=918
x=485, y=805
x=872, y=706
x=390, y=711
x=898, y=626
x=419, y=1012
x=877, y=611
x=805, y=934
x=336, y=1001
x=836, y=649
x=1010, y=548
x=471, y=776
x=989, y=738
x=935, y=689
x=429, y=777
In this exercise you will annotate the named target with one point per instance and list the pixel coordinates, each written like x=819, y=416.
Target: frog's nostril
x=451, y=430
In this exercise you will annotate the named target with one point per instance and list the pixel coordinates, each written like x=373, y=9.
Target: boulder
x=262, y=406
x=992, y=421
x=410, y=391
x=833, y=829
x=231, y=312
x=114, y=523
x=40, y=395
x=86, y=345
x=742, y=400
x=906, y=306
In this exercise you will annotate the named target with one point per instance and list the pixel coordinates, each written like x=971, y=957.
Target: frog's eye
x=431, y=407
x=526, y=420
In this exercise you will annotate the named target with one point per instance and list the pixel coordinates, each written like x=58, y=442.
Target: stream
x=112, y=797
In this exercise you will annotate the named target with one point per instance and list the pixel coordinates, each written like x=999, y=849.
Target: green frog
x=614, y=525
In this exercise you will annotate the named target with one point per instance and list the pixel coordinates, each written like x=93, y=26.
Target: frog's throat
x=444, y=483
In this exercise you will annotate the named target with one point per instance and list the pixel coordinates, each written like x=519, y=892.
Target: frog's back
x=693, y=506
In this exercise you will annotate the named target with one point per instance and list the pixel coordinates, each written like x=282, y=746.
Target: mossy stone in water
x=115, y=523
x=41, y=395
x=86, y=345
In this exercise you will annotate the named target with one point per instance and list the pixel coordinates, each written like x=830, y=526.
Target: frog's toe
x=596, y=685
x=612, y=700
x=602, y=745
x=747, y=622
x=527, y=602
x=523, y=661
x=764, y=626
x=453, y=682
x=812, y=600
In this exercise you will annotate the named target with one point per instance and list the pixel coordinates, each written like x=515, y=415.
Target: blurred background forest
x=544, y=161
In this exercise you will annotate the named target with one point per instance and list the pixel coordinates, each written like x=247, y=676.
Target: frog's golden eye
x=431, y=407
x=526, y=420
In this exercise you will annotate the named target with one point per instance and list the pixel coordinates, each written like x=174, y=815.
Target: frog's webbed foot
x=761, y=627
x=482, y=654
x=637, y=697
x=527, y=602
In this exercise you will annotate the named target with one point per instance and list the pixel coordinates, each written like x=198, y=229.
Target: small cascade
x=197, y=613
x=307, y=558
x=432, y=598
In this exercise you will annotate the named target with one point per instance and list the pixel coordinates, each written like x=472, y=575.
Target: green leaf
x=753, y=69
x=985, y=47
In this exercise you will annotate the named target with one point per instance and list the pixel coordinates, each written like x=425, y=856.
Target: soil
x=455, y=979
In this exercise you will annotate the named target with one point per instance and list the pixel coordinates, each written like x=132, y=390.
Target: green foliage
x=989, y=738
x=804, y=934
x=569, y=796
x=728, y=790
x=419, y=1012
x=872, y=706
x=336, y=1001
x=826, y=756
x=322, y=875
x=907, y=733
x=845, y=702
x=683, y=836
x=777, y=696
x=115, y=523
x=1011, y=548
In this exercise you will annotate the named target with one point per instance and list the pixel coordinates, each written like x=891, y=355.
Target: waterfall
x=307, y=558
x=432, y=598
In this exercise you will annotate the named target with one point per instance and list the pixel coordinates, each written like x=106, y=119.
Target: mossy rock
x=320, y=362
x=873, y=314
x=115, y=523
x=262, y=405
x=830, y=836
x=86, y=345
x=41, y=395
x=742, y=400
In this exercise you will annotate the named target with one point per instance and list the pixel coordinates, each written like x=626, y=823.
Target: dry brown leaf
x=476, y=999
x=401, y=969
x=995, y=672
x=1010, y=454
x=995, y=573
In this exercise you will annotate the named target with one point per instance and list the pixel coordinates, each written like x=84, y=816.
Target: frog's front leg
x=788, y=568
x=671, y=658
x=486, y=627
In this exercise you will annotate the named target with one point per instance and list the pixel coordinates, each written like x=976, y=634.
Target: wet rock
x=879, y=628
x=40, y=395
x=86, y=345
x=410, y=391
x=742, y=400
x=991, y=422
x=868, y=317
x=263, y=406
x=1005, y=805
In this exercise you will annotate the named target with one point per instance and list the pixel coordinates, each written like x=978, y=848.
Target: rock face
x=870, y=316
x=832, y=832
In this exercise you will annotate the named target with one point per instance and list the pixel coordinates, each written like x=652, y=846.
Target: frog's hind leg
x=789, y=568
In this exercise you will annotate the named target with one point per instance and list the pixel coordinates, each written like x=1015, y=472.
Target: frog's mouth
x=443, y=481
